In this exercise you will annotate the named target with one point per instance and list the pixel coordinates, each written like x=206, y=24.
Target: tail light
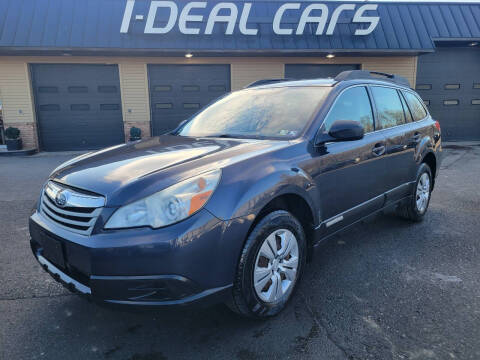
x=437, y=125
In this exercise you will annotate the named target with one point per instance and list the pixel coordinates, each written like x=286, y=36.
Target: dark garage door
x=78, y=106
x=449, y=83
x=179, y=91
x=315, y=71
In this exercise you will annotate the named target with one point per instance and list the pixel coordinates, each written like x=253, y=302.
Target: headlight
x=168, y=206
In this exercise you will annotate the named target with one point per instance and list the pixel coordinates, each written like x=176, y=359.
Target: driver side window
x=352, y=104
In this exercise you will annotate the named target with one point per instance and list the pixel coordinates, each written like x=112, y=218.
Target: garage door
x=315, y=71
x=179, y=91
x=449, y=83
x=78, y=107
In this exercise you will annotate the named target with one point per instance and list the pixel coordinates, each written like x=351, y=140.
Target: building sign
x=189, y=15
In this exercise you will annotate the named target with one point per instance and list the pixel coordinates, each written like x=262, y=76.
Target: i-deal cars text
x=191, y=16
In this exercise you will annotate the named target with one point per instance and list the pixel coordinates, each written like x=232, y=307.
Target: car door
x=349, y=174
x=417, y=130
x=392, y=122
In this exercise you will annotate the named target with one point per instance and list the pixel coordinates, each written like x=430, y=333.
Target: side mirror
x=342, y=130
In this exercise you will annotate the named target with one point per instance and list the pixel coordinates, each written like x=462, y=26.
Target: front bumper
x=192, y=262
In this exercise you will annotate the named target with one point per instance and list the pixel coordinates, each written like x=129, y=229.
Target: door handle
x=378, y=149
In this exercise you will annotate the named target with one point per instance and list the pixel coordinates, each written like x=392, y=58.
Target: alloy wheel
x=423, y=192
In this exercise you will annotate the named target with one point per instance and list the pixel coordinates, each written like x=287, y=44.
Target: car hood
x=128, y=172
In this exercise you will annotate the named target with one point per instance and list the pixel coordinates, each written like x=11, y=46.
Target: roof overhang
x=21, y=51
x=232, y=28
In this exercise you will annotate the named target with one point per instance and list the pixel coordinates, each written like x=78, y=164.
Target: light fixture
x=473, y=43
x=330, y=56
x=188, y=55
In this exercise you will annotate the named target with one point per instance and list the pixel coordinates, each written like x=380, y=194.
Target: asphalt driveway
x=387, y=289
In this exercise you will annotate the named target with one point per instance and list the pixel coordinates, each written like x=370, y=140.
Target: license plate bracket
x=53, y=250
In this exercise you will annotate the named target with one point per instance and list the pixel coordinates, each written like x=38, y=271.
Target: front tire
x=417, y=207
x=270, y=266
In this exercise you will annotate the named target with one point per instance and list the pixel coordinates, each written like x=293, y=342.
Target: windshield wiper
x=226, y=136
x=238, y=136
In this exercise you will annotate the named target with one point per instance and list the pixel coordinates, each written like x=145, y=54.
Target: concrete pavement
x=386, y=289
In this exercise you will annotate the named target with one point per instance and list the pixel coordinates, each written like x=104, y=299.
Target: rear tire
x=417, y=206
x=270, y=266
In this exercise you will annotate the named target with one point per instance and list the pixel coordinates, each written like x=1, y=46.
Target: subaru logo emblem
x=61, y=199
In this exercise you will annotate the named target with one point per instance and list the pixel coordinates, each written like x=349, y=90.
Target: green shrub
x=12, y=133
x=135, y=133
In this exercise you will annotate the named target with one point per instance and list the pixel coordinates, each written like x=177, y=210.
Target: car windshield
x=281, y=112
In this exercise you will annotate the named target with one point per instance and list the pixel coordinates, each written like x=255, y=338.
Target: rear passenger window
x=417, y=109
x=408, y=115
x=389, y=107
x=352, y=104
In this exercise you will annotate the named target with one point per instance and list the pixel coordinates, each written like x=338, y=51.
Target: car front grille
x=70, y=209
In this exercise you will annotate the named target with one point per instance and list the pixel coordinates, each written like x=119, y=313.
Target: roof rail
x=363, y=74
x=265, y=82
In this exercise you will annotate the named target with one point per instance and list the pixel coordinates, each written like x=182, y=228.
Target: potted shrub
x=13, y=140
x=135, y=133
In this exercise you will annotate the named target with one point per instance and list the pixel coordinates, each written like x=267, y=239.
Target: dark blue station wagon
x=230, y=205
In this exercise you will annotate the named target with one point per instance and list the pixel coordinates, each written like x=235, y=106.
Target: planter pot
x=132, y=138
x=14, y=144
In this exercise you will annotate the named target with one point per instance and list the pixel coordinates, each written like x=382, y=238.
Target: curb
x=25, y=152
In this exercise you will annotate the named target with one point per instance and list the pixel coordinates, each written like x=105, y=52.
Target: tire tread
x=237, y=302
x=408, y=211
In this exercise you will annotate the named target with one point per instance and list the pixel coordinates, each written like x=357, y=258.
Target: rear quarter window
x=416, y=107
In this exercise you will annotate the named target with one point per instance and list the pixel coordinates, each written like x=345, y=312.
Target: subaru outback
x=229, y=206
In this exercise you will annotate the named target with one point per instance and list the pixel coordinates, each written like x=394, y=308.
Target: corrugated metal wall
x=96, y=24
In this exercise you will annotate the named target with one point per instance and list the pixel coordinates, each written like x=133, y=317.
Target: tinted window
x=281, y=112
x=106, y=107
x=50, y=107
x=417, y=109
x=191, y=88
x=389, y=107
x=221, y=88
x=48, y=89
x=406, y=110
x=77, y=89
x=191, y=105
x=424, y=87
x=79, y=107
x=352, y=104
x=162, y=88
x=164, y=105
x=450, y=102
x=452, y=86
x=107, y=89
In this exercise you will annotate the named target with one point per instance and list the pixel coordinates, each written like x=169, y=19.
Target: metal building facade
x=173, y=57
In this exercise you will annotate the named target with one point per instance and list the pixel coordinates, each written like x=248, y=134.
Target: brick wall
x=144, y=126
x=15, y=93
x=28, y=133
